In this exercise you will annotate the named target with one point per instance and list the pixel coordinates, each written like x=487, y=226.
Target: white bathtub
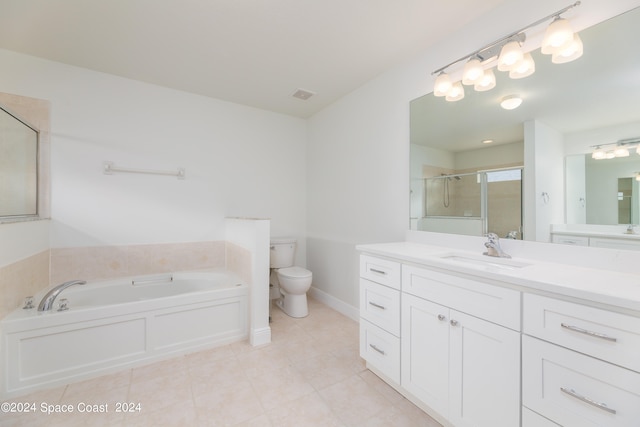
x=119, y=324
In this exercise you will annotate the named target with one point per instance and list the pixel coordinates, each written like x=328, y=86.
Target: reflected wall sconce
x=559, y=41
x=616, y=149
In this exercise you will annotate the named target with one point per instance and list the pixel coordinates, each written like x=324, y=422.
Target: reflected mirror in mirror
x=590, y=101
x=602, y=192
x=18, y=167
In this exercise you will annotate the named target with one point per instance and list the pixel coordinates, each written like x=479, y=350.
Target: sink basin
x=485, y=262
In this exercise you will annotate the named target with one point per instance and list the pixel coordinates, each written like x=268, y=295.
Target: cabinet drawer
x=600, y=333
x=380, y=271
x=380, y=305
x=532, y=419
x=380, y=349
x=570, y=240
x=572, y=389
x=628, y=244
x=493, y=303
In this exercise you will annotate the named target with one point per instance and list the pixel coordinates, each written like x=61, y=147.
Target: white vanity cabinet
x=553, y=345
x=380, y=315
x=580, y=364
x=609, y=242
x=464, y=367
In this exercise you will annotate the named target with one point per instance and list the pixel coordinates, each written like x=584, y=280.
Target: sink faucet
x=493, y=247
x=630, y=229
x=49, y=298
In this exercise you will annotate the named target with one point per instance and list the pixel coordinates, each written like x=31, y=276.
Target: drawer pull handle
x=382, y=307
x=441, y=317
x=585, y=399
x=376, y=349
x=454, y=322
x=377, y=271
x=590, y=333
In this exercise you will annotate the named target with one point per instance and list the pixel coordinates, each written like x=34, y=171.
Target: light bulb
x=442, y=86
x=472, y=72
x=598, y=154
x=456, y=93
x=621, y=152
x=523, y=68
x=609, y=155
x=486, y=82
x=568, y=52
x=510, y=54
x=558, y=34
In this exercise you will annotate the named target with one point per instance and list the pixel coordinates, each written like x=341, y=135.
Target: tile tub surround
x=22, y=278
x=310, y=375
x=108, y=262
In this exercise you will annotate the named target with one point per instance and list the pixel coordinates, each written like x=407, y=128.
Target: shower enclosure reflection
x=472, y=203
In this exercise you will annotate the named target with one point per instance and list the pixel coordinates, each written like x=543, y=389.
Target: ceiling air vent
x=303, y=94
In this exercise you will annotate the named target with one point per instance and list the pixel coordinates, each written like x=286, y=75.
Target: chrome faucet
x=49, y=298
x=512, y=235
x=493, y=247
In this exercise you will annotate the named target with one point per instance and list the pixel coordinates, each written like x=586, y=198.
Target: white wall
x=239, y=161
x=358, y=155
x=543, y=180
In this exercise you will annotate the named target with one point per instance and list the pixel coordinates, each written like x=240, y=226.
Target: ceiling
x=599, y=89
x=252, y=52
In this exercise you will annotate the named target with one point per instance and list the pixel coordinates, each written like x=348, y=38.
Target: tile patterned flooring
x=310, y=375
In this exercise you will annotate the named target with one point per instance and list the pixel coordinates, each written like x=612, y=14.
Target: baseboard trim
x=338, y=305
x=260, y=336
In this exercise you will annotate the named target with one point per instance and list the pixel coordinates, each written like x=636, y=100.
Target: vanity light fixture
x=511, y=102
x=487, y=141
x=559, y=41
x=620, y=149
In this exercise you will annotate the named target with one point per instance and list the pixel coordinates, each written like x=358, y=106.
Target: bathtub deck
x=311, y=367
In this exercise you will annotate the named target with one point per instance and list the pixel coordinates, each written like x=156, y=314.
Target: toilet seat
x=294, y=272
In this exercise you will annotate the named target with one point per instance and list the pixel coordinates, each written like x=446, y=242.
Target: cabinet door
x=425, y=352
x=484, y=373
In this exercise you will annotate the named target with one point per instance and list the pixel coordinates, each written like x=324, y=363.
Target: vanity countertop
x=616, y=289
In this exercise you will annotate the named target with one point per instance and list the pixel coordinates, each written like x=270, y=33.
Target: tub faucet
x=49, y=298
x=493, y=247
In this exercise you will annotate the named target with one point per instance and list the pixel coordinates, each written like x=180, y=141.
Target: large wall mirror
x=591, y=101
x=18, y=167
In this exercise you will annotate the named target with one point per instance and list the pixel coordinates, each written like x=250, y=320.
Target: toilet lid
x=294, y=272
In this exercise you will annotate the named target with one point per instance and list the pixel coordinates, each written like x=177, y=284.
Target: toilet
x=289, y=284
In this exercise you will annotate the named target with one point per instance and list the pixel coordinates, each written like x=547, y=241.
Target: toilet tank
x=282, y=252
